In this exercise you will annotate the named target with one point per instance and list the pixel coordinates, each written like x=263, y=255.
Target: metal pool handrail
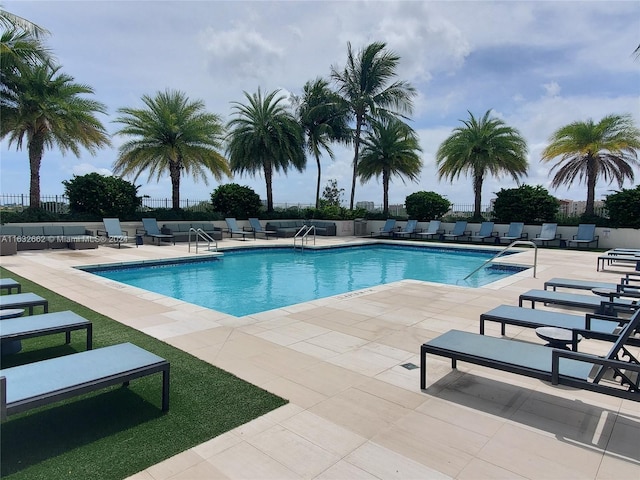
x=503, y=251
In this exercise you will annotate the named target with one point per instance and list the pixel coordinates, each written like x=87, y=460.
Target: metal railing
x=303, y=235
x=504, y=250
x=60, y=204
x=199, y=233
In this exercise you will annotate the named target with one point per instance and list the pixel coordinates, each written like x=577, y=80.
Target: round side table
x=556, y=337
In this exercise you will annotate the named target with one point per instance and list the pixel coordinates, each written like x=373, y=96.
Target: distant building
x=368, y=206
x=574, y=208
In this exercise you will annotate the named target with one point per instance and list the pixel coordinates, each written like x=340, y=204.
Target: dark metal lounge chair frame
x=47, y=324
x=232, y=228
x=9, y=284
x=589, y=302
x=150, y=229
x=70, y=390
x=24, y=300
x=578, y=324
x=611, y=258
x=548, y=370
x=111, y=224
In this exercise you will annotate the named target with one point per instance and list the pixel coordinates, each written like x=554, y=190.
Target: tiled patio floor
x=354, y=411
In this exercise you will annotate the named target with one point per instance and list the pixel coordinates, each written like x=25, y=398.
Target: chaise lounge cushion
x=180, y=230
x=288, y=228
x=78, y=238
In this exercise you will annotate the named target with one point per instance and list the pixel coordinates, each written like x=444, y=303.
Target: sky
x=536, y=65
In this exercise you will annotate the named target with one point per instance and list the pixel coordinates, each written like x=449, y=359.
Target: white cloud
x=85, y=168
x=552, y=89
x=529, y=61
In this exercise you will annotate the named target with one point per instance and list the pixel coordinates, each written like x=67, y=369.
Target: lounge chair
x=9, y=284
x=113, y=231
x=612, y=258
x=547, y=234
x=514, y=233
x=20, y=328
x=560, y=367
x=586, y=235
x=150, y=229
x=40, y=383
x=625, y=284
x=256, y=228
x=432, y=230
x=600, y=327
x=459, y=230
x=24, y=300
x=388, y=228
x=485, y=232
x=232, y=228
x=602, y=305
x=409, y=229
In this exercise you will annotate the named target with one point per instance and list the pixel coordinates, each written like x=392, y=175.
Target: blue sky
x=538, y=65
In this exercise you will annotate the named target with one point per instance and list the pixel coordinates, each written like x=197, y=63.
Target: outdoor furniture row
x=40, y=237
x=180, y=230
x=288, y=228
x=33, y=385
x=460, y=232
x=628, y=257
x=615, y=374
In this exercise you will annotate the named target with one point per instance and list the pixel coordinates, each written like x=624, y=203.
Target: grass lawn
x=116, y=432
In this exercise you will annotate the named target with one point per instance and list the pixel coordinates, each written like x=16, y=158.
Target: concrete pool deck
x=355, y=411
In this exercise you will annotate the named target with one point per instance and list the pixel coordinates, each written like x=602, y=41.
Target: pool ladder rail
x=201, y=234
x=303, y=235
x=504, y=250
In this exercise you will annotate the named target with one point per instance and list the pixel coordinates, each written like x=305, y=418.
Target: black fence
x=60, y=204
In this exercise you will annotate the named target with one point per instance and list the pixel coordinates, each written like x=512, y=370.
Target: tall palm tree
x=20, y=43
x=46, y=108
x=11, y=21
x=323, y=117
x=265, y=136
x=589, y=151
x=391, y=149
x=483, y=146
x=365, y=86
x=171, y=134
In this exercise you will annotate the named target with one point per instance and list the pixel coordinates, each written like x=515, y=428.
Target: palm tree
x=20, y=43
x=265, y=137
x=589, y=151
x=171, y=134
x=323, y=117
x=364, y=86
x=18, y=46
x=392, y=148
x=11, y=21
x=46, y=108
x=481, y=147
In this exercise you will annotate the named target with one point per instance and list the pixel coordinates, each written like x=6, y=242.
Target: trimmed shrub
x=102, y=196
x=624, y=208
x=526, y=204
x=233, y=200
x=425, y=206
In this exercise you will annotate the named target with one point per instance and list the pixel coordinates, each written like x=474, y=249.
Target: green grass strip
x=116, y=432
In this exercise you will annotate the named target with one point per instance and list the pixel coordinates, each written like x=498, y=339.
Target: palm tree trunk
x=318, y=184
x=268, y=178
x=355, y=159
x=36, y=149
x=385, y=193
x=591, y=187
x=477, y=192
x=174, y=174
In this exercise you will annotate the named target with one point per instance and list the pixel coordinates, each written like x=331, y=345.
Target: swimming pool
x=246, y=281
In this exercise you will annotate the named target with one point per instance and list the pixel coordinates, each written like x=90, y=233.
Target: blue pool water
x=248, y=281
